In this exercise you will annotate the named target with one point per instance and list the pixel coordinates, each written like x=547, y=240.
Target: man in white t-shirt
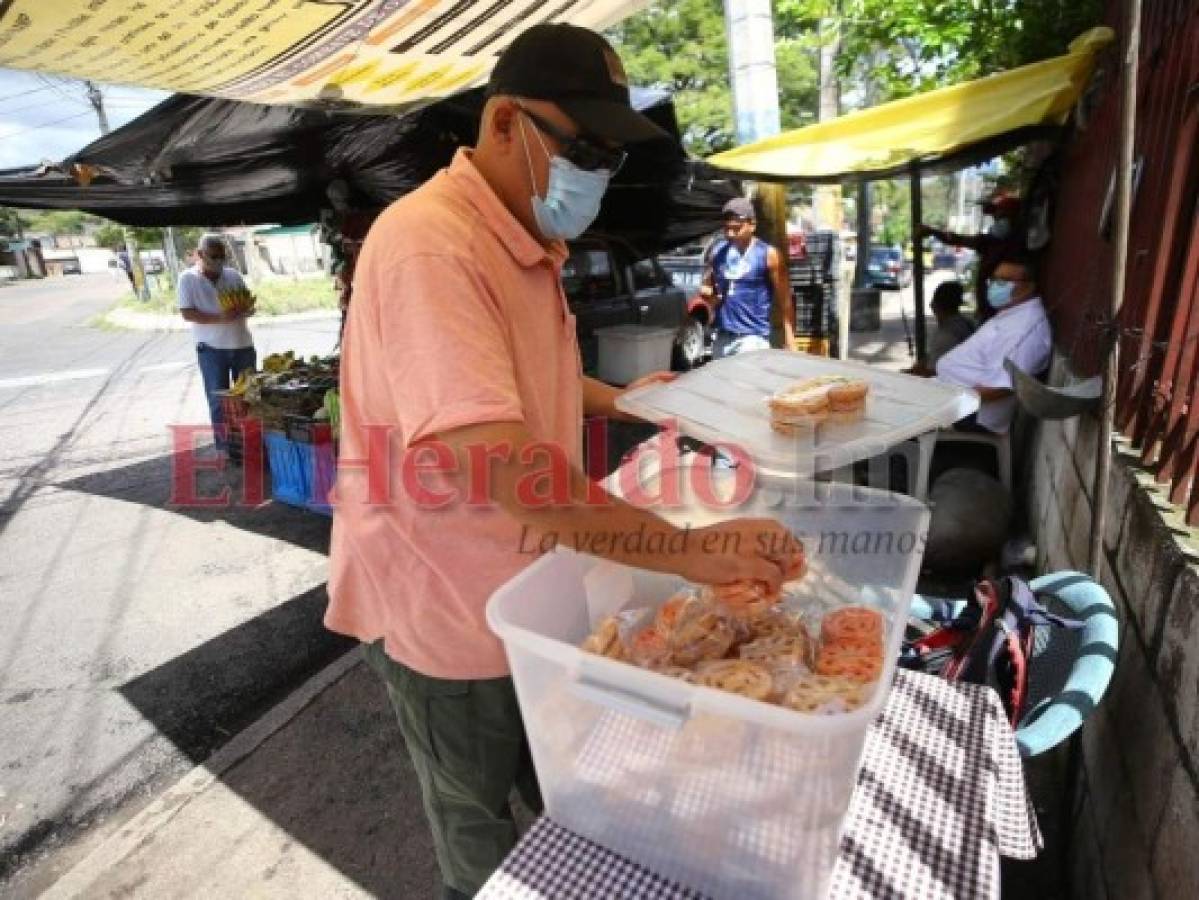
x=1019, y=331
x=223, y=343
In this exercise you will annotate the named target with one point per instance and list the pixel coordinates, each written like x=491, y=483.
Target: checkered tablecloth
x=940, y=796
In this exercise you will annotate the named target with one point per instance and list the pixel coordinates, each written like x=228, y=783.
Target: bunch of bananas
x=236, y=300
x=279, y=362
x=239, y=387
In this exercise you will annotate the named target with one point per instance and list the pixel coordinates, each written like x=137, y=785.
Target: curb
x=140, y=830
x=132, y=320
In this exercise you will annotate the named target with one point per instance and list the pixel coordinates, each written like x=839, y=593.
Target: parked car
x=607, y=282
x=888, y=269
x=152, y=265
x=71, y=267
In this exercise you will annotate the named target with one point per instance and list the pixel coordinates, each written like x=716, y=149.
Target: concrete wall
x=1135, y=822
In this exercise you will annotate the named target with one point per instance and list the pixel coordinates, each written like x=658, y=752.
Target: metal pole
x=1128, y=128
x=172, y=253
x=749, y=25
x=96, y=98
x=750, y=29
x=918, y=262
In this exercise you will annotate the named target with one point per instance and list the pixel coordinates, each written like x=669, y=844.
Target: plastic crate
x=815, y=309
x=301, y=474
x=234, y=410
x=725, y=795
x=307, y=430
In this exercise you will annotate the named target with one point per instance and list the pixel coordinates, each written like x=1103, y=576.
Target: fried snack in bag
x=702, y=632
x=826, y=695
x=605, y=640
x=792, y=648
x=851, y=623
x=744, y=600
x=738, y=676
x=676, y=607
x=649, y=648
x=858, y=664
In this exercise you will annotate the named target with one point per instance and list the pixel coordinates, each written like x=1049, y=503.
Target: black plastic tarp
x=207, y=162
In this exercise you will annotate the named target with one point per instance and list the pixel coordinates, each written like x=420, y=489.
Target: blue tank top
x=743, y=280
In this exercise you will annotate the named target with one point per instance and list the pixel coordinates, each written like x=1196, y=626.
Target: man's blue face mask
x=999, y=293
x=572, y=195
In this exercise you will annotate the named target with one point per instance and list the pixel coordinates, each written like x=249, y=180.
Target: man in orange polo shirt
x=461, y=376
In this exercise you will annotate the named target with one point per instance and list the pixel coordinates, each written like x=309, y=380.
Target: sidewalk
x=315, y=800
x=888, y=347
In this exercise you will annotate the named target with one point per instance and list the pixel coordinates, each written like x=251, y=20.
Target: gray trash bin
x=865, y=310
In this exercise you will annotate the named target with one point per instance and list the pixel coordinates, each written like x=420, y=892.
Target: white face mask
x=572, y=196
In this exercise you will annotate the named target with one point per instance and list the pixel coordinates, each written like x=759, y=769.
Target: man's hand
x=761, y=550
x=599, y=399
x=652, y=378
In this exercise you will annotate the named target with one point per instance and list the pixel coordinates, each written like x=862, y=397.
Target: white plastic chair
x=1002, y=443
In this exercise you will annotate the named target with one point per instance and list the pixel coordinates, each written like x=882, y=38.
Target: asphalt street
x=137, y=636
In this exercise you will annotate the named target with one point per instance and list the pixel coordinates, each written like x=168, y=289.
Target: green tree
x=680, y=46
x=11, y=222
x=59, y=221
x=909, y=46
x=109, y=235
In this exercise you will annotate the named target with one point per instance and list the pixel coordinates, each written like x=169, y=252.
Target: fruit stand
x=295, y=406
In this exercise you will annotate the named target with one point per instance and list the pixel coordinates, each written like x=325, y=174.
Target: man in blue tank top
x=747, y=279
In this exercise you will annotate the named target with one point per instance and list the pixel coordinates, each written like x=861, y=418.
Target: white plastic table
x=940, y=796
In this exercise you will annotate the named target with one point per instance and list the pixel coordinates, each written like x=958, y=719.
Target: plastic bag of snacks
x=741, y=639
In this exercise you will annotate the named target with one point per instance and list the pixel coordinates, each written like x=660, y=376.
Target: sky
x=48, y=117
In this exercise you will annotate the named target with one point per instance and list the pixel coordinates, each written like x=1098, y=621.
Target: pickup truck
x=607, y=282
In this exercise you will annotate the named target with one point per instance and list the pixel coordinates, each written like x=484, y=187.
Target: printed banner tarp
x=332, y=53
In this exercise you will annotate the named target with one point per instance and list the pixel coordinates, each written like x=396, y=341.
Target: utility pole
x=826, y=199
x=749, y=25
x=97, y=101
x=96, y=98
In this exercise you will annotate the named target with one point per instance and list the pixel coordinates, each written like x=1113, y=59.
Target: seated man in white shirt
x=1018, y=331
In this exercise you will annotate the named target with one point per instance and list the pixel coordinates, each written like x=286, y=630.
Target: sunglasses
x=580, y=151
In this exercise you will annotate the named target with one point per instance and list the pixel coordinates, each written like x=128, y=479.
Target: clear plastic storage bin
x=729, y=796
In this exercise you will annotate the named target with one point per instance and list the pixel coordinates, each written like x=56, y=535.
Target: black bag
x=989, y=642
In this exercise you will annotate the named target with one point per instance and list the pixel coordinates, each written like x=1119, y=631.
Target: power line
x=24, y=93
x=45, y=124
x=41, y=104
x=57, y=87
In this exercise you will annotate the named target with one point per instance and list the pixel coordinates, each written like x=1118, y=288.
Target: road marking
x=51, y=377
x=165, y=367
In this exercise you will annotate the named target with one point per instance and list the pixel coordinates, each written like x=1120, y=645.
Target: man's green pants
x=468, y=746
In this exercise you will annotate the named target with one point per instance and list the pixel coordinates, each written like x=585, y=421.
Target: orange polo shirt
x=458, y=319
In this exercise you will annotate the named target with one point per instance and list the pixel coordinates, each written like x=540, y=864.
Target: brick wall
x=1135, y=822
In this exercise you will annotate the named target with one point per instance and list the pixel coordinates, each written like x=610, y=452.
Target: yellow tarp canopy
x=389, y=53
x=884, y=140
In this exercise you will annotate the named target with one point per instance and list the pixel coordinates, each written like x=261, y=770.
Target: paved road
x=137, y=637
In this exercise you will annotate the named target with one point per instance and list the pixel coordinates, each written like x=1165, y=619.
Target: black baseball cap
x=579, y=71
x=740, y=207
